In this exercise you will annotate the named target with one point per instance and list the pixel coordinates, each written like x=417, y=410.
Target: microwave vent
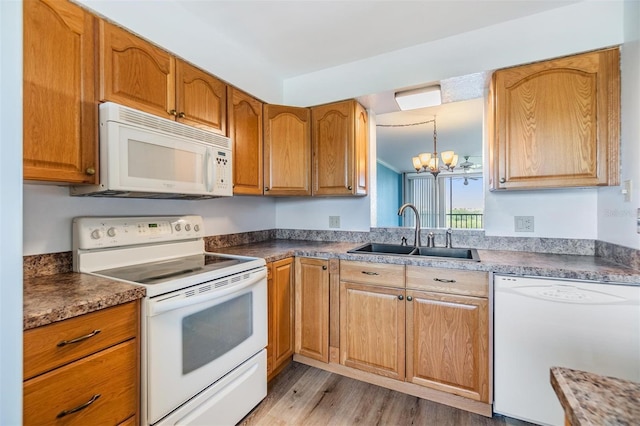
x=167, y=126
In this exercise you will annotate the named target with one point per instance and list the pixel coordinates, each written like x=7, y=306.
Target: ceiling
x=296, y=37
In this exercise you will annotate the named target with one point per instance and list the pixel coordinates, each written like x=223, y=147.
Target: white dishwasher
x=540, y=323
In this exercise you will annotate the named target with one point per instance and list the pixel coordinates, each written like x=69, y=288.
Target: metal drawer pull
x=79, y=407
x=442, y=280
x=370, y=273
x=78, y=339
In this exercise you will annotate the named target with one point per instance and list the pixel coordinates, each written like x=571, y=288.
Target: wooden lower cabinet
x=447, y=343
x=281, y=315
x=312, y=308
x=84, y=370
x=372, y=329
x=419, y=330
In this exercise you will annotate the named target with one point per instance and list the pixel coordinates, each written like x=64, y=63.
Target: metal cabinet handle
x=78, y=339
x=90, y=171
x=400, y=297
x=502, y=180
x=350, y=188
x=369, y=273
x=173, y=112
x=182, y=115
x=79, y=407
x=266, y=188
x=442, y=280
x=409, y=298
x=324, y=267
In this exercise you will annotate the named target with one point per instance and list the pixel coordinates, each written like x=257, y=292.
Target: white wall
x=48, y=211
x=617, y=218
x=11, y=213
x=582, y=26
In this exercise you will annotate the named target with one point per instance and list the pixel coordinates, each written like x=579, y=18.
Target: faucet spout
x=416, y=241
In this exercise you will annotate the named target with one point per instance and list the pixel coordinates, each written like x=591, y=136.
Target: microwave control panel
x=223, y=175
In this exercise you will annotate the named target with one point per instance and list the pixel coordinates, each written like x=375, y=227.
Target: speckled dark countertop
x=60, y=296
x=591, y=399
x=504, y=262
x=52, y=298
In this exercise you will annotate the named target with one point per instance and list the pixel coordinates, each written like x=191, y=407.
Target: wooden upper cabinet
x=245, y=130
x=340, y=143
x=201, y=99
x=135, y=73
x=59, y=103
x=287, y=150
x=556, y=123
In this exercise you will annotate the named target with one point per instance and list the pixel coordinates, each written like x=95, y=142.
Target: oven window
x=211, y=333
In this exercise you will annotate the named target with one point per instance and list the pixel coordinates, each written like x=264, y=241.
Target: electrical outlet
x=523, y=223
x=334, y=221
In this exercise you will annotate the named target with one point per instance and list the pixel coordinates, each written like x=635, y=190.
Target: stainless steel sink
x=374, y=248
x=434, y=252
x=456, y=253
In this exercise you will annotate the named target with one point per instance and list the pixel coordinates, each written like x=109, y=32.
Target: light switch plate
x=523, y=223
x=626, y=190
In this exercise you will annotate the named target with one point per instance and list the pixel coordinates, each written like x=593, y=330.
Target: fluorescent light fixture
x=419, y=98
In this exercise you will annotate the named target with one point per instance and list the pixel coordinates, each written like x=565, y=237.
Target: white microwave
x=145, y=156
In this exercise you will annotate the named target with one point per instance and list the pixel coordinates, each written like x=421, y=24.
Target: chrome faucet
x=416, y=241
x=431, y=239
x=447, y=240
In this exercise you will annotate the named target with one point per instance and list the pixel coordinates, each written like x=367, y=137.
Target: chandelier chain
x=406, y=125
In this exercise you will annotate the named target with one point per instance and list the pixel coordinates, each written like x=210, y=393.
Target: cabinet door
x=59, y=103
x=287, y=150
x=339, y=149
x=283, y=311
x=201, y=99
x=245, y=130
x=557, y=123
x=135, y=73
x=448, y=343
x=312, y=308
x=372, y=328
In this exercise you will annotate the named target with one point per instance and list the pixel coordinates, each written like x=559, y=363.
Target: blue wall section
x=389, y=196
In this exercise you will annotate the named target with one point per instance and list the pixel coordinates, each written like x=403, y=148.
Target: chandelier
x=429, y=162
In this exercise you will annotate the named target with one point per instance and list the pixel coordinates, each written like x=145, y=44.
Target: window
x=449, y=201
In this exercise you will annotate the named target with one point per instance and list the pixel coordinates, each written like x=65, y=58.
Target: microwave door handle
x=208, y=170
x=157, y=307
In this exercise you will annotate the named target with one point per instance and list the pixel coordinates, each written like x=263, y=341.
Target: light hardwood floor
x=303, y=395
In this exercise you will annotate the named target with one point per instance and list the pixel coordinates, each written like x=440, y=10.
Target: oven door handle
x=157, y=307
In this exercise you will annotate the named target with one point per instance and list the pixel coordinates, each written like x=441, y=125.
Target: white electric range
x=204, y=317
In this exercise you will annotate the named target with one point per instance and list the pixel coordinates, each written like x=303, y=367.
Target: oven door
x=197, y=335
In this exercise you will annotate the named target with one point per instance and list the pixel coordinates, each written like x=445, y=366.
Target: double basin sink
x=431, y=252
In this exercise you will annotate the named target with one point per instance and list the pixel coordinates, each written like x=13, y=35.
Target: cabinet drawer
x=111, y=373
x=372, y=273
x=41, y=345
x=452, y=281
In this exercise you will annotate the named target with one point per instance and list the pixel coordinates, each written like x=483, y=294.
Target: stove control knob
x=111, y=232
x=196, y=228
x=178, y=227
x=187, y=227
x=96, y=234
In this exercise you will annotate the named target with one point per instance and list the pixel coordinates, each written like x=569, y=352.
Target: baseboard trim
x=455, y=401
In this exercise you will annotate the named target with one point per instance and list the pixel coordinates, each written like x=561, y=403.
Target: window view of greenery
x=450, y=201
